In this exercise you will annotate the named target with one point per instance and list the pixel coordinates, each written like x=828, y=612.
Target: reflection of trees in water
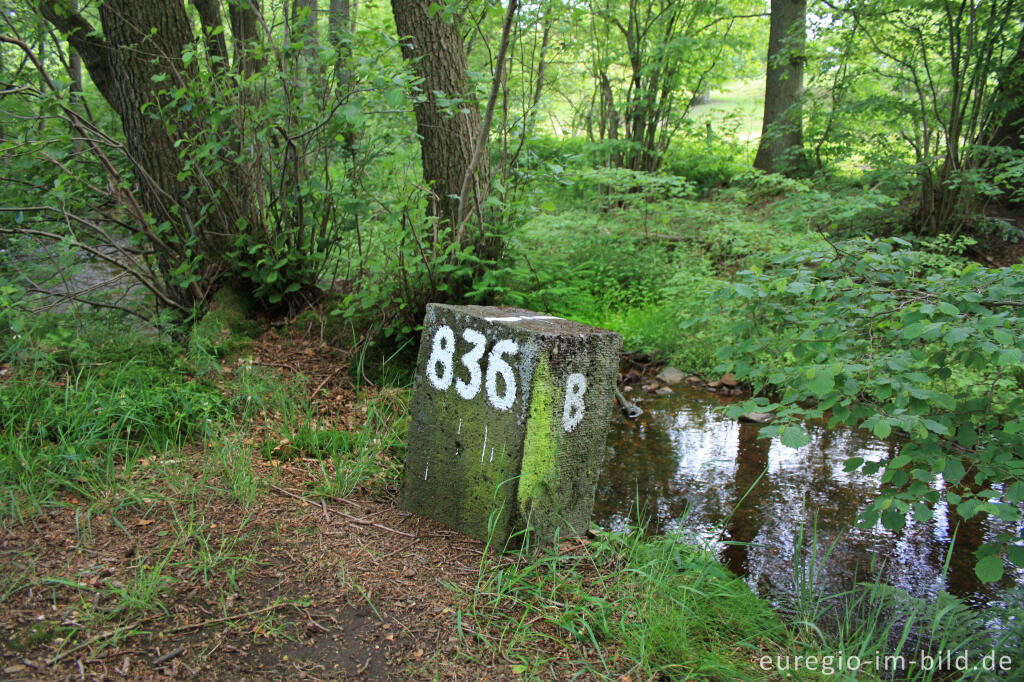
x=748, y=516
x=682, y=451
x=970, y=535
x=642, y=470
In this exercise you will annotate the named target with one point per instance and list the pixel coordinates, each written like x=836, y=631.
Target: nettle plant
x=903, y=342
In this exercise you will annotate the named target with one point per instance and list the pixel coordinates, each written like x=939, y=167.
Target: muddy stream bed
x=688, y=467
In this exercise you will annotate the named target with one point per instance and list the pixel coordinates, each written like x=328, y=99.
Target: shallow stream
x=692, y=469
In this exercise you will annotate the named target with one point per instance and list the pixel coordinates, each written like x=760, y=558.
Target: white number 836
x=441, y=372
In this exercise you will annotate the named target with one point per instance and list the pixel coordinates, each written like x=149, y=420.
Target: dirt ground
x=351, y=589
x=291, y=587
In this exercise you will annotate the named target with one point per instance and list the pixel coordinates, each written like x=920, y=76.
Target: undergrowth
x=623, y=606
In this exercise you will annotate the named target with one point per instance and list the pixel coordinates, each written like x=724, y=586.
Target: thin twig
x=237, y=616
x=354, y=519
x=328, y=378
x=173, y=653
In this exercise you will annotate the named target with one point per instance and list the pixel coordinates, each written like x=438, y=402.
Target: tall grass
x=622, y=605
x=74, y=419
x=876, y=622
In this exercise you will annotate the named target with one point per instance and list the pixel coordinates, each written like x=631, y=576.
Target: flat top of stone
x=529, y=320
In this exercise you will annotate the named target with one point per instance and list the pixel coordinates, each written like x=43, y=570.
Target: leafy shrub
x=706, y=164
x=895, y=340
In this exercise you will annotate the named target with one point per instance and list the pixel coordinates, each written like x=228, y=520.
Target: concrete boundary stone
x=510, y=412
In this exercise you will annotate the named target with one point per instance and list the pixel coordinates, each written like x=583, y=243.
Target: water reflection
x=751, y=497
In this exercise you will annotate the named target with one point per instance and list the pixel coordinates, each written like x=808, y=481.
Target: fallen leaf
x=145, y=522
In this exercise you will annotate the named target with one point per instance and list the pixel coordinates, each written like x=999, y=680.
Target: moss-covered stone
x=508, y=422
x=536, y=478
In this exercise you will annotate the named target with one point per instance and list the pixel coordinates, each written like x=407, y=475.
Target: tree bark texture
x=448, y=134
x=781, y=147
x=245, y=30
x=137, y=57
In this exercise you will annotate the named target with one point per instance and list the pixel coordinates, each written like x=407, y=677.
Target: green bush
x=895, y=340
x=706, y=164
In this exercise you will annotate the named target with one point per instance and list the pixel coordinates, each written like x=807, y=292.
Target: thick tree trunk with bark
x=448, y=133
x=782, y=138
x=136, y=58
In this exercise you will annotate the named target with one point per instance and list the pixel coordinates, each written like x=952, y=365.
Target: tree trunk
x=245, y=30
x=305, y=20
x=782, y=138
x=137, y=59
x=74, y=69
x=1011, y=95
x=1009, y=132
x=447, y=133
x=338, y=21
x=213, y=35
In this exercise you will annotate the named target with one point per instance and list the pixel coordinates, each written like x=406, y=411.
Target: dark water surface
x=683, y=455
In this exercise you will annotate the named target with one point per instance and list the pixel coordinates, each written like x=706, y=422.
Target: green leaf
x=794, y=436
x=853, y=463
x=743, y=290
x=548, y=206
x=893, y=520
x=821, y=384
x=1016, y=554
x=1015, y=492
x=882, y=429
x=954, y=471
x=913, y=331
x=1009, y=357
x=395, y=97
x=956, y=335
x=989, y=569
x=899, y=462
x=922, y=512
x=867, y=519
x=948, y=308
x=1002, y=336
x=966, y=436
